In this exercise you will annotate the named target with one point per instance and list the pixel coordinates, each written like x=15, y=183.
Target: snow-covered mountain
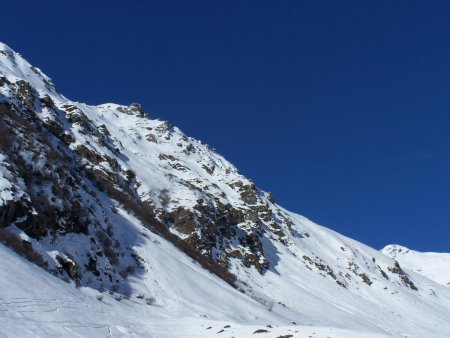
x=131, y=209
x=433, y=265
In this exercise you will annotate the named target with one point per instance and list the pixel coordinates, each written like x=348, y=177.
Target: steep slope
x=433, y=265
x=81, y=184
x=52, y=308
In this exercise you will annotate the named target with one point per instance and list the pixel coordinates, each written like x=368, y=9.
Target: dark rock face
x=57, y=198
x=70, y=268
x=47, y=101
x=403, y=276
x=212, y=227
x=183, y=220
x=133, y=109
x=26, y=94
x=11, y=211
x=248, y=192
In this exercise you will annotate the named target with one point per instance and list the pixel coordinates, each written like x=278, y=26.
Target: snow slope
x=433, y=265
x=33, y=303
x=290, y=273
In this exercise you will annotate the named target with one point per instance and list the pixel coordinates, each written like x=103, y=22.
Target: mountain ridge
x=89, y=189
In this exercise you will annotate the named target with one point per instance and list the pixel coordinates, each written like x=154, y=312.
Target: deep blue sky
x=340, y=108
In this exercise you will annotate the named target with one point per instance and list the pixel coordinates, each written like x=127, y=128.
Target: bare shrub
x=126, y=294
x=104, y=239
x=150, y=300
x=124, y=273
x=112, y=255
x=114, y=288
x=131, y=268
x=6, y=134
x=22, y=248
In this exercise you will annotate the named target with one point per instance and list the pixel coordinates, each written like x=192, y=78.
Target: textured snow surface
x=433, y=265
x=327, y=284
x=35, y=304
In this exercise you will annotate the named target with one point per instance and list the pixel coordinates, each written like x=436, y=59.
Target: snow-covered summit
x=394, y=250
x=106, y=198
x=433, y=265
x=14, y=67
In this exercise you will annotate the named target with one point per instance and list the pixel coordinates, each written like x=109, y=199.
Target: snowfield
x=35, y=304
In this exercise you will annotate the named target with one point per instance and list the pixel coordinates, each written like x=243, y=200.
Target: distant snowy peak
x=392, y=250
x=433, y=265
